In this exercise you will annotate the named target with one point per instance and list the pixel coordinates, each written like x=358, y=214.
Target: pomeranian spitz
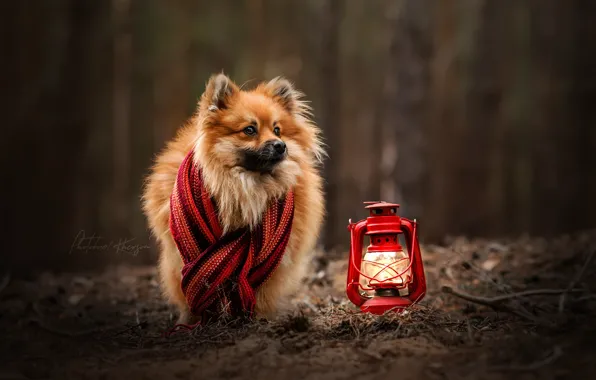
x=231, y=127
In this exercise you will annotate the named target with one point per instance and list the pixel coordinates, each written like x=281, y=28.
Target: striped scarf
x=222, y=272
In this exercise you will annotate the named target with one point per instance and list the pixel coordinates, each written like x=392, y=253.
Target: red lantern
x=386, y=277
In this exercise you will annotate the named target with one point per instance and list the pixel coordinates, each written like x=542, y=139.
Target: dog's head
x=263, y=133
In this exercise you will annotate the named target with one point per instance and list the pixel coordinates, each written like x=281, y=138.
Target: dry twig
x=501, y=302
x=489, y=301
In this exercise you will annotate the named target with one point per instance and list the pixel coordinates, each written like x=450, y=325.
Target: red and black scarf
x=221, y=273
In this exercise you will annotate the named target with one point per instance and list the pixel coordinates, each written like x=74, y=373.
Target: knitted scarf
x=221, y=273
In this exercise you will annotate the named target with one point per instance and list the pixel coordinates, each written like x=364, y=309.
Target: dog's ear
x=282, y=91
x=220, y=89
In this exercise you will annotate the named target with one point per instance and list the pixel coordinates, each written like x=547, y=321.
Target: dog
x=252, y=146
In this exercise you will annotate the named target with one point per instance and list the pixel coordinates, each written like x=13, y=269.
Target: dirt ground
x=111, y=325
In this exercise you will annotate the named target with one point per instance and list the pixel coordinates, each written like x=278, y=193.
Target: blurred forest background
x=476, y=115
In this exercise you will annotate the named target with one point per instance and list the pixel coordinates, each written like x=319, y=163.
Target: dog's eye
x=250, y=130
x=277, y=131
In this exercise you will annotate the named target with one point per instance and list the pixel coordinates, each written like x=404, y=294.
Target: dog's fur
x=217, y=134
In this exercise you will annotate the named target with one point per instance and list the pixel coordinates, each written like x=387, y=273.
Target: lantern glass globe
x=387, y=270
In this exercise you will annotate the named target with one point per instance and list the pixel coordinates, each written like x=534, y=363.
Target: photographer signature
x=94, y=243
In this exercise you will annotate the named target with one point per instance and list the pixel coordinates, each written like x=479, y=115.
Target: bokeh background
x=476, y=115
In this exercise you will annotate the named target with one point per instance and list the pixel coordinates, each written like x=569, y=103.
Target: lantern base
x=380, y=305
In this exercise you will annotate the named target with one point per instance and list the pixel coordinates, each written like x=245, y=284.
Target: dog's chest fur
x=242, y=197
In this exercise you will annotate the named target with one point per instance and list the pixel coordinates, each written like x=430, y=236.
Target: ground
x=111, y=325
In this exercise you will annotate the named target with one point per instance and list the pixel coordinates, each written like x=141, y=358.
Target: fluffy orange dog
x=229, y=129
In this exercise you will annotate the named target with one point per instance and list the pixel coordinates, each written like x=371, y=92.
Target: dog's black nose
x=279, y=146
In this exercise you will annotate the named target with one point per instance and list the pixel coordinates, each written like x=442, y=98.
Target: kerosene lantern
x=386, y=277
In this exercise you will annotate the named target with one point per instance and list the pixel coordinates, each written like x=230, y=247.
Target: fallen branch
x=573, y=282
x=501, y=302
x=491, y=301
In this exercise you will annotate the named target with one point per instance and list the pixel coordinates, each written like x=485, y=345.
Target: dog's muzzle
x=264, y=159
